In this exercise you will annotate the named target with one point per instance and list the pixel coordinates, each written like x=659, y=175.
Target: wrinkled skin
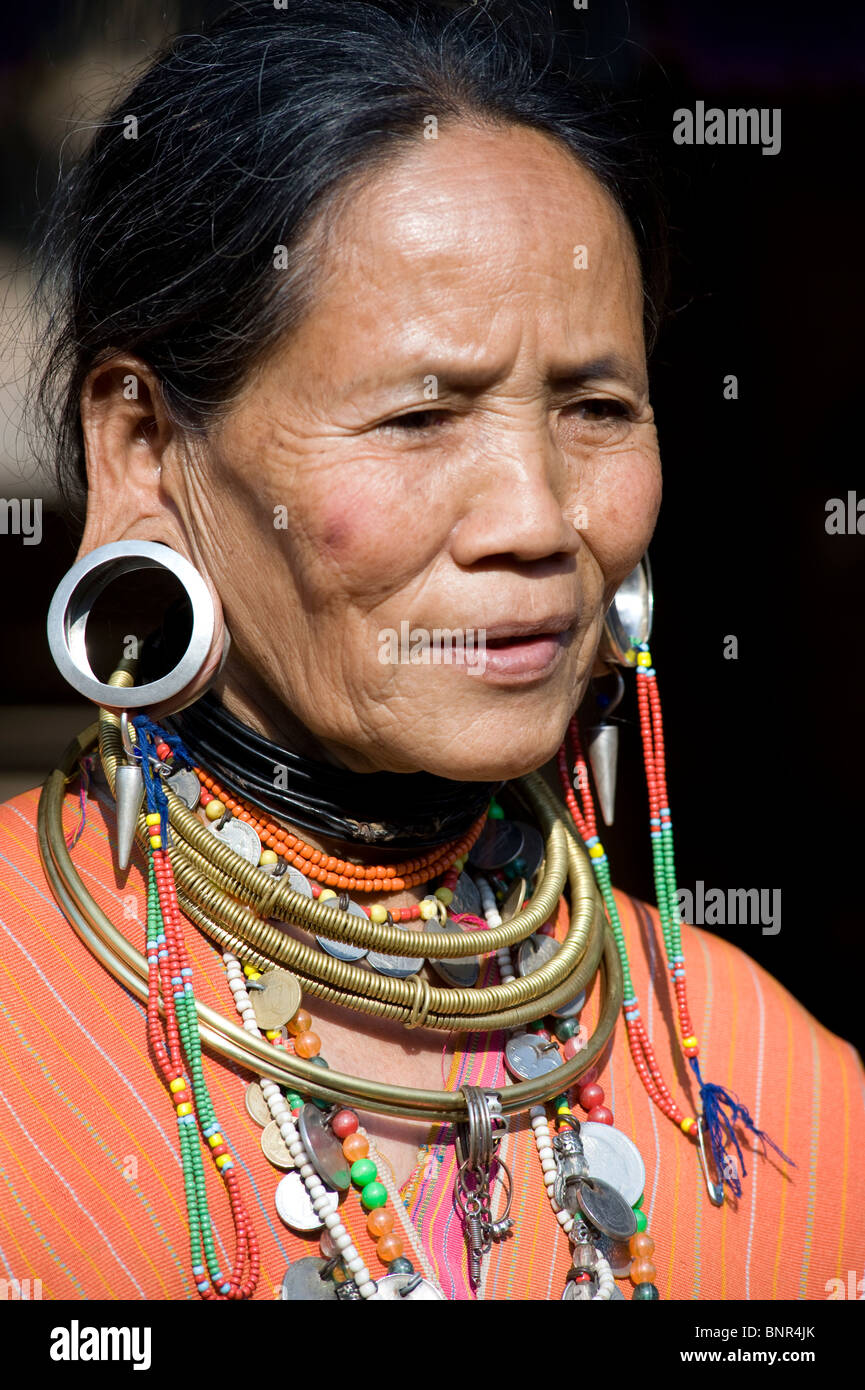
x=529, y=487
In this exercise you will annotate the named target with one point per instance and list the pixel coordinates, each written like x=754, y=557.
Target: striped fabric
x=91, y=1194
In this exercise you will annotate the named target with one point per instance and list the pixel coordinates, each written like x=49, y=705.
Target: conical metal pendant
x=604, y=757
x=129, y=794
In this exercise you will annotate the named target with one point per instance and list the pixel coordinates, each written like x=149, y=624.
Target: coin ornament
x=411, y=1287
x=537, y=951
x=274, y=1147
x=514, y=901
x=257, y=1107
x=324, y=1149
x=528, y=1056
x=462, y=973
x=614, y=1158
x=186, y=786
x=303, y=1281
x=397, y=967
x=277, y=1000
x=499, y=844
x=239, y=836
x=344, y=950
x=606, y=1209
x=294, y=1205
x=466, y=897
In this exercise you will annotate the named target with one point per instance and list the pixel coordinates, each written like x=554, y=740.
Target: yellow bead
x=325, y=894
x=597, y=851
x=460, y=863
x=688, y=1124
x=563, y=1110
x=178, y=1085
x=153, y=818
x=378, y=913
x=222, y=1160
x=156, y=842
x=251, y=972
x=689, y=1042
x=445, y=895
x=273, y=1034
x=427, y=911
x=185, y=1108
x=268, y=856
x=214, y=809
x=644, y=659
x=214, y=1139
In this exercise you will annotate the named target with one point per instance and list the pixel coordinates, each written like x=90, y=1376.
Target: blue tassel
x=154, y=792
x=160, y=735
x=720, y=1129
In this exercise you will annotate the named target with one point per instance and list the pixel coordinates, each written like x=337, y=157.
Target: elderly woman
x=354, y=340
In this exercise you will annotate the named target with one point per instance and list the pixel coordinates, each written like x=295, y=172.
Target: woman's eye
x=415, y=421
x=598, y=420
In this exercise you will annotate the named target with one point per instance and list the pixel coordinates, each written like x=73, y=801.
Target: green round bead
x=536, y=1027
x=639, y=1201
x=363, y=1171
x=495, y=812
x=322, y=1104
x=400, y=1266
x=561, y=1100
x=642, y=1223
x=565, y=1028
x=318, y=1062
x=373, y=1195
x=294, y=1101
x=646, y=1291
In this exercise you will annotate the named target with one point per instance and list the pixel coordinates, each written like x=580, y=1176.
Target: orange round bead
x=355, y=1146
x=307, y=1044
x=641, y=1245
x=301, y=1023
x=390, y=1247
x=379, y=1222
x=643, y=1272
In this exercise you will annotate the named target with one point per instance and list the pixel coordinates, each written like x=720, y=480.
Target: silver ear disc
x=73, y=603
x=630, y=614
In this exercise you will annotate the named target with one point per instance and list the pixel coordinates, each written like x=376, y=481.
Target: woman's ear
x=129, y=439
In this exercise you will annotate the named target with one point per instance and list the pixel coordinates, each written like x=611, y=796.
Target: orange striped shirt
x=91, y=1188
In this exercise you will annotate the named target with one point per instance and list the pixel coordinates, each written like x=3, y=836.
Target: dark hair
x=163, y=245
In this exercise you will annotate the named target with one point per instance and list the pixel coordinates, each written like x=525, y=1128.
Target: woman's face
x=458, y=436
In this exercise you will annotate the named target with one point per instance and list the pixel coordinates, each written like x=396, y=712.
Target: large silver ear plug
x=73, y=603
x=629, y=619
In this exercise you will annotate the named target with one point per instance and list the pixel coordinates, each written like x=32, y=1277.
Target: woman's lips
x=516, y=657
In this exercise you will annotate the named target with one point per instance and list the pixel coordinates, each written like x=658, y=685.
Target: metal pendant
x=603, y=741
x=397, y=967
x=411, y=1287
x=239, y=836
x=323, y=1149
x=294, y=1206
x=307, y=1280
x=129, y=794
x=343, y=950
x=533, y=850
x=615, y=1159
x=466, y=897
x=186, y=787
x=499, y=844
x=462, y=973
x=275, y=998
x=527, y=1056
x=274, y=1147
x=606, y=1209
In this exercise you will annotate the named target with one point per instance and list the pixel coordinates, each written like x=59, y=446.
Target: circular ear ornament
x=629, y=616
x=73, y=603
